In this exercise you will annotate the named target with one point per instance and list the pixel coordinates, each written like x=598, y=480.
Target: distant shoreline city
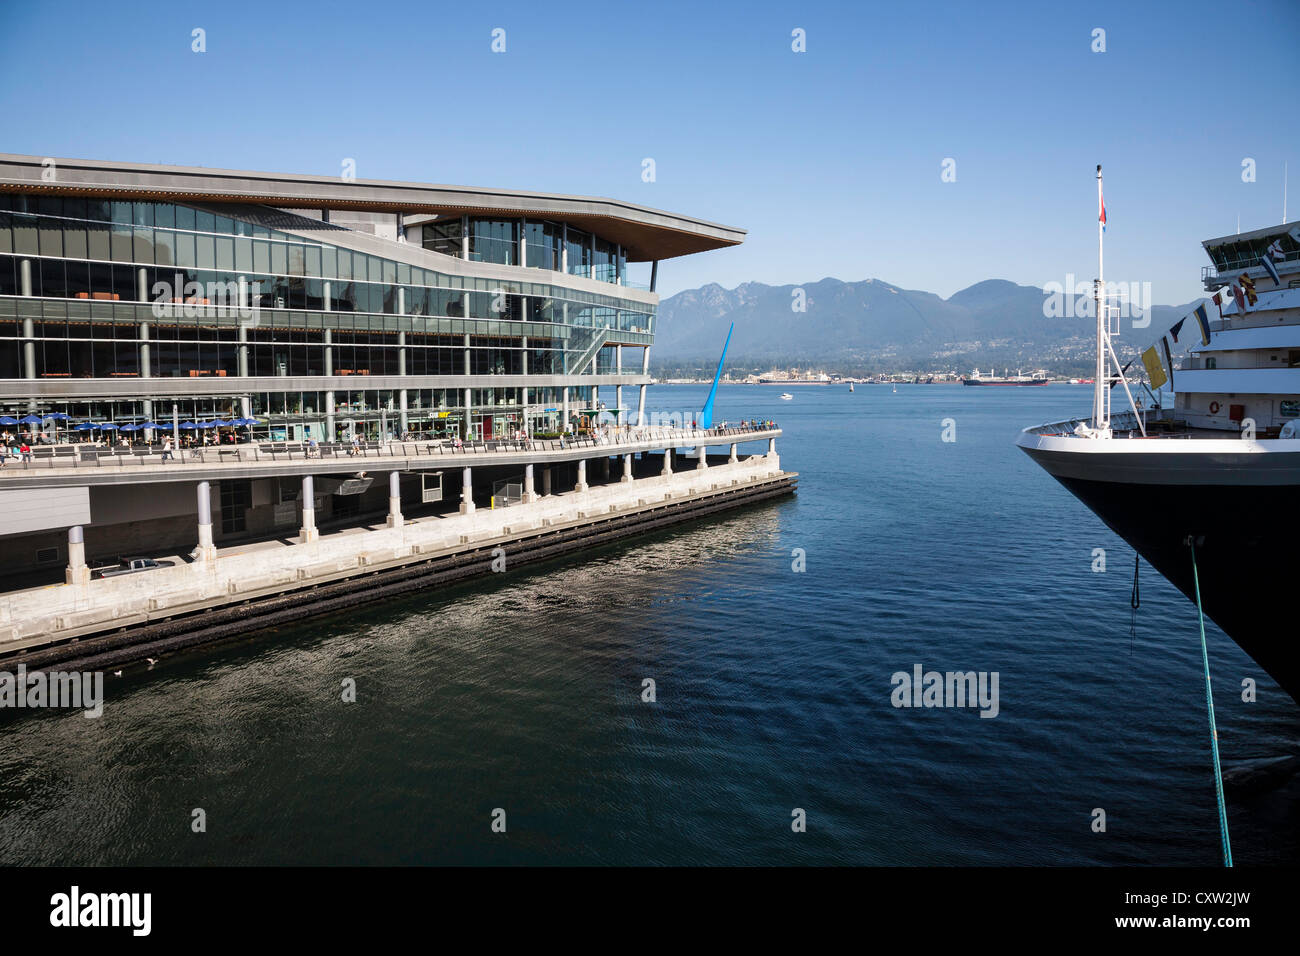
x=797, y=376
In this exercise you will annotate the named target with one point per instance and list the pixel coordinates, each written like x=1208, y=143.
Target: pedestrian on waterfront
x=26, y=451
x=167, y=449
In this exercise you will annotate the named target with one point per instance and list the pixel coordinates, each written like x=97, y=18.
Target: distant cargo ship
x=1017, y=379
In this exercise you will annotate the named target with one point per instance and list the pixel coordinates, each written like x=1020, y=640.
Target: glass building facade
x=112, y=290
x=537, y=244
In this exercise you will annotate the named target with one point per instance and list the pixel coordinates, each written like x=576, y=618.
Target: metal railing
x=1233, y=266
x=611, y=438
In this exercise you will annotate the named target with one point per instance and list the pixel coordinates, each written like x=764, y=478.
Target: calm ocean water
x=773, y=691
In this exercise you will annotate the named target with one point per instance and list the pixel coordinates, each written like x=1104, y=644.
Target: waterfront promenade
x=78, y=465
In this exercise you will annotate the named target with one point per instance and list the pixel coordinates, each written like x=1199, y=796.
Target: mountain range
x=871, y=326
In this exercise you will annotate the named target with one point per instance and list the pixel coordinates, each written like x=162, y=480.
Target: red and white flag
x=1239, y=296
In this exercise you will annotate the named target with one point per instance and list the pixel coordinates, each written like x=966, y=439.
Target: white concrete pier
x=40, y=616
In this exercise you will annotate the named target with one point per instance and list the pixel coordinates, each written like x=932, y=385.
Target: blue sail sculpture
x=706, y=413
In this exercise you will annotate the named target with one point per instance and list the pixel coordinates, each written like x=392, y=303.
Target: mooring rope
x=1209, y=704
x=1135, y=602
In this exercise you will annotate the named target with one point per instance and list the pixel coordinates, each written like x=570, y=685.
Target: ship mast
x=1105, y=346
x=1099, y=391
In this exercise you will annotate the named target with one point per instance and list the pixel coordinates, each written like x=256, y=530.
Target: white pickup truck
x=131, y=566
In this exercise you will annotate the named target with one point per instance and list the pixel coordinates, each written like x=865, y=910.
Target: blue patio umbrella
x=83, y=427
x=6, y=420
x=188, y=426
x=31, y=420
x=57, y=417
x=151, y=424
x=108, y=426
x=221, y=424
x=130, y=428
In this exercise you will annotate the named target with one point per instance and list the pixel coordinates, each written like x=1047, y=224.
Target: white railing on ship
x=1120, y=423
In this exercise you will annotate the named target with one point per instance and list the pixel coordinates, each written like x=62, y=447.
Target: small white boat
x=850, y=386
x=786, y=397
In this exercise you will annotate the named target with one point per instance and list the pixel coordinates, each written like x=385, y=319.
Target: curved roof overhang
x=646, y=234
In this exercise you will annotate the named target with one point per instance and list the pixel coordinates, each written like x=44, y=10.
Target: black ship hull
x=1245, y=554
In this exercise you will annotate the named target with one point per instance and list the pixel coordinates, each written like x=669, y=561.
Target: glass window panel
x=164, y=215
x=51, y=237
x=184, y=217
x=204, y=221
x=225, y=253
x=243, y=254
x=297, y=260
x=206, y=253
x=329, y=263
x=261, y=256
x=164, y=247
x=313, y=260
x=143, y=244
x=74, y=239
x=121, y=237
x=185, y=249
x=25, y=239
x=53, y=282
x=97, y=236
x=279, y=259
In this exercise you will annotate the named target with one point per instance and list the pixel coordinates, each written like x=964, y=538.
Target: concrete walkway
x=291, y=458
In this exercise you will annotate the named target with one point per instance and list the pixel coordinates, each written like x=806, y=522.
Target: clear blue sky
x=830, y=158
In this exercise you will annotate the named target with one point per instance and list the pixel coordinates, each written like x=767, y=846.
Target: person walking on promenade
x=26, y=451
x=167, y=449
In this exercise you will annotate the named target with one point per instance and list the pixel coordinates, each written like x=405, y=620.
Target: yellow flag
x=1155, y=370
